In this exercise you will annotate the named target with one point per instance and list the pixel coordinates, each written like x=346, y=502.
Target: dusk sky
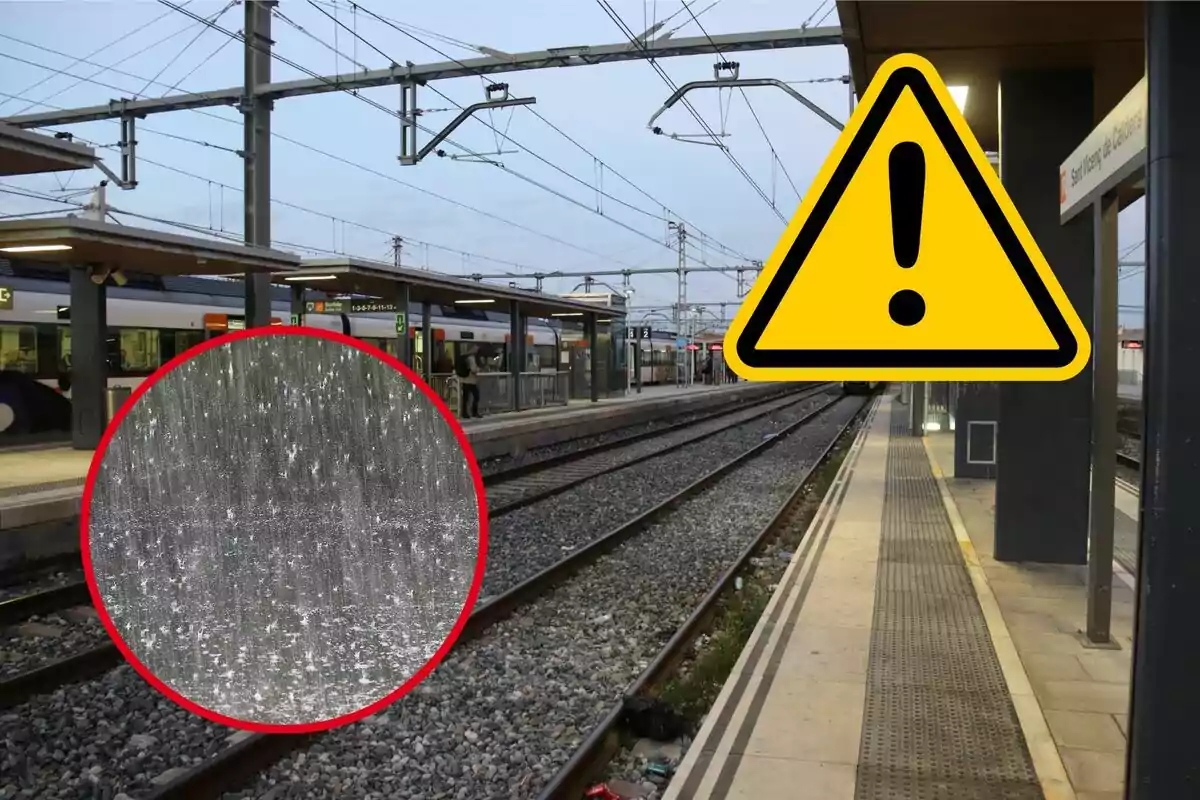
x=526, y=227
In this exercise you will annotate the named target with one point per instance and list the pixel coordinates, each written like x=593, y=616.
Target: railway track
x=245, y=755
x=513, y=613
x=589, y=761
x=505, y=569
x=533, y=482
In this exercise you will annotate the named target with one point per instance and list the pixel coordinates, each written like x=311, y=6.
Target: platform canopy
x=26, y=153
x=971, y=42
x=351, y=276
x=75, y=241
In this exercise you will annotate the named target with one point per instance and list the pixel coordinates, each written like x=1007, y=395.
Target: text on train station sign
x=907, y=260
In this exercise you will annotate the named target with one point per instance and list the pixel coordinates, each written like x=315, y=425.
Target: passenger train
x=151, y=320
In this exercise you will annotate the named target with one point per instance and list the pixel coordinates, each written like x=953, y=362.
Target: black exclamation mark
x=906, y=177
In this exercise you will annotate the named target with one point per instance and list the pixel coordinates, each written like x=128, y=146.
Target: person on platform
x=467, y=369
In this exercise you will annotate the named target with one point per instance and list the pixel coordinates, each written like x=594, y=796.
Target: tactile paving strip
x=938, y=722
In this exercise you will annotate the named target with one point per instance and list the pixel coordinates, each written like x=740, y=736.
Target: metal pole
x=1104, y=424
x=1164, y=762
x=917, y=409
x=515, y=337
x=404, y=345
x=297, y=305
x=593, y=345
x=426, y=344
x=89, y=359
x=256, y=156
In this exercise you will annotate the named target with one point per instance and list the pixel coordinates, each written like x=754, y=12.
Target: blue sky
x=604, y=108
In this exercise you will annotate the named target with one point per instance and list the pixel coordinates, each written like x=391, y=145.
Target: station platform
x=45, y=484
x=898, y=659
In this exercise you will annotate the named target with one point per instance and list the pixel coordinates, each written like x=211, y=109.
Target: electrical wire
x=616, y=18
x=400, y=28
x=97, y=51
x=390, y=112
x=749, y=105
x=183, y=49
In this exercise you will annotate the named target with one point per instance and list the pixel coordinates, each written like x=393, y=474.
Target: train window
x=175, y=342
x=18, y=348
x=139, y=349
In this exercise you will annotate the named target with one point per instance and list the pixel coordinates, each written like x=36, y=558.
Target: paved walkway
x=898, y=659
x=1083, y=693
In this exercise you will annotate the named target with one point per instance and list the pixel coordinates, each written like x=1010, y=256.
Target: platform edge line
x=782, y=599
x=1047, y=761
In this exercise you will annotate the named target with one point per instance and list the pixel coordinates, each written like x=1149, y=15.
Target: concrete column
x=1164, y=762
x=1044, y=435
x=89, y=360
x=916, y=409
x=976, y=415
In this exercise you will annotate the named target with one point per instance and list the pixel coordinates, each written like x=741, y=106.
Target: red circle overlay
x=307, y=727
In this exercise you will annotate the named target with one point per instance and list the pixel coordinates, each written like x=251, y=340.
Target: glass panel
x=18, y=348
x=139, y=349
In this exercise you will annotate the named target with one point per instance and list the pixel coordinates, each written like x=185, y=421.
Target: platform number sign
x=646, y=332
x=631, y=334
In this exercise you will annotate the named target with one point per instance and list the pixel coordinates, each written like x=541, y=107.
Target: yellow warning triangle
x=907, y=260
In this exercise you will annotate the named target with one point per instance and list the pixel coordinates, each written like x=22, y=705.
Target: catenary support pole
x=256, y=155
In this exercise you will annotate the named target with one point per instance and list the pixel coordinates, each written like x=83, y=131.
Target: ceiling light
x=478, y=302
x=959, y=93
x=311, y=278
x=572, y=314
x=35, y=248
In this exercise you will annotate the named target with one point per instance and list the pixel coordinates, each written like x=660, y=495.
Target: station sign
x=1114, y=152
x=692, y=347
x=644, y=332
x=715, y=347
x=349, y=307
x=6, y=298
x=1133, y=344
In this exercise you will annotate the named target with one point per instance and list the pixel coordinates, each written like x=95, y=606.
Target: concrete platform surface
x=897, y=658
x=45, y=484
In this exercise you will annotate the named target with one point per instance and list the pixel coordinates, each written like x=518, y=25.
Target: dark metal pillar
x=1045, y=429
x=256, y=156
x=1164, y=762
x=404, y=345
x=426, y=343
x=297, y=305
x=916, y=409
x=516, y=338
x=593, y=347
x=89, y=360
x=1104, y=424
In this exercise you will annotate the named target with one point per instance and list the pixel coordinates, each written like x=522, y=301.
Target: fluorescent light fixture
x=35, y=248
x=604, y=320
x=959, y=93
x=933, y=426
x=571, y=314
x=476, y=302
x=311, y=278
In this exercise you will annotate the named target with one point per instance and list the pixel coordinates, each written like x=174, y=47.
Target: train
x=860, y=387
x=152, y=320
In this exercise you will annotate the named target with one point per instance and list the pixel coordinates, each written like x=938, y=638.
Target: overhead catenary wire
x=600, y=193
x=230, y=4
x=97, y=51
x=774, y=153
x=313, y=149
x=616, y=18
x=392, y=113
